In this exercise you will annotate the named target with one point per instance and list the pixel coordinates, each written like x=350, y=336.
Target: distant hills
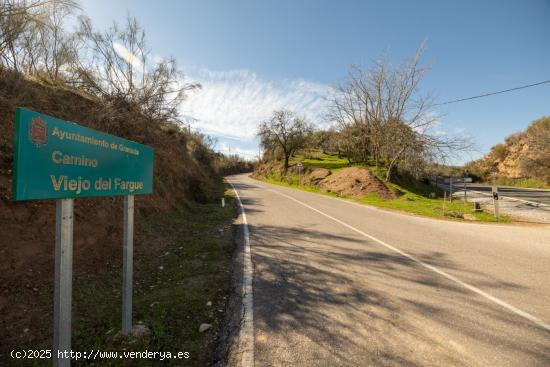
x=523, y=156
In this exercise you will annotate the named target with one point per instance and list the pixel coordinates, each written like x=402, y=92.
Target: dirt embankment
x=355, y=182
x=352, y=181
x=183, y=173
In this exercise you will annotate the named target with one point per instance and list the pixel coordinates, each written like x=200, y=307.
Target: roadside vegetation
x=408, y=195
x=182, y=268
x=382, y=150
x=108, y=81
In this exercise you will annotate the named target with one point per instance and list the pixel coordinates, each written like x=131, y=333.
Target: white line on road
x=246, y=334
x=535, y=203
x=472, y=288
x=461, y=190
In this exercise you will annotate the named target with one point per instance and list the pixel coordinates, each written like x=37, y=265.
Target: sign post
x=127, y=263
x=56, y=159
x=300, y=168
x=495, y=201
x=63, y=282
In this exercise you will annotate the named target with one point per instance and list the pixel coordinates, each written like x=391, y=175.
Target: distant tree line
x=380, y=118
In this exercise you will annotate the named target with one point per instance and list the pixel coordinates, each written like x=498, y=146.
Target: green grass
x=319, y=160
x=415, y=195
x=409, y=202
x=184, y=262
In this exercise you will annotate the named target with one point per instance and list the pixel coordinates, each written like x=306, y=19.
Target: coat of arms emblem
x=38, y=132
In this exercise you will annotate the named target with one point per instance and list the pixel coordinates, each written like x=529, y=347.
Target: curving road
x=341, y=284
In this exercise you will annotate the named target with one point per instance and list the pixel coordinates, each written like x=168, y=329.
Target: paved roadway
x=341, y=284
x=534, y=195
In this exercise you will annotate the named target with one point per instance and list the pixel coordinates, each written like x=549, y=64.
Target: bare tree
x=56, y=45
x=284, y=131
x=32, y=36
x=15, y=17
x=395, y=121
x=116, y=65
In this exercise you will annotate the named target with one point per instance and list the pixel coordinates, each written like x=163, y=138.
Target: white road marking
x=472, y=288
x=534, y=203
x=246, y=334
x=395, y=212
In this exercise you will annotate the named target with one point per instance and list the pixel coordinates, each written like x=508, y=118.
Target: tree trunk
x=287, y=158
x=392, y=164
x=389, y=172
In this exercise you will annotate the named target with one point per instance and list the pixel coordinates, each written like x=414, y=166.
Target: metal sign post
x=63, y=283
x=450, y=189
x=127, y=260
x=300, y=168
x=465, y=194
x=495, y=201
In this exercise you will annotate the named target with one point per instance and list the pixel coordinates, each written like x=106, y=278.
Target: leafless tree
x=32, y=36
x=396, y=122
x=56, y=44
x=284, y=131
x=116, y=64
x=14, y=19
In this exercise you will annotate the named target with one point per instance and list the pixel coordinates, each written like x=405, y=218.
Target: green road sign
x=59, y=159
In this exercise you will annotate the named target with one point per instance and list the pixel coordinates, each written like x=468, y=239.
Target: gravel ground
x=519, y=210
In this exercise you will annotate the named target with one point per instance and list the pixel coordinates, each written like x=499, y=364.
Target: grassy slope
x=415, y=199
x=171, y=289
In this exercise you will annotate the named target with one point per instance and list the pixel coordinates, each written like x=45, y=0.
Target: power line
x=492, y=93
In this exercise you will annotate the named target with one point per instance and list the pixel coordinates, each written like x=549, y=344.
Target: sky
x=252, y=57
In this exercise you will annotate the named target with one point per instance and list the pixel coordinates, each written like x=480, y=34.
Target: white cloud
x=128, y=56
x=232, y=103
x=248, y=154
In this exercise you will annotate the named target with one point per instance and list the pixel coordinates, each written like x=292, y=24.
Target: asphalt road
x=342, y=284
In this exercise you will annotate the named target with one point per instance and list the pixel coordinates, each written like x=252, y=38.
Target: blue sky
x=255, y=56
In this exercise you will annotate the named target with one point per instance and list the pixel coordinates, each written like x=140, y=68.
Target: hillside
x=523, y=159
x=182, y=217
